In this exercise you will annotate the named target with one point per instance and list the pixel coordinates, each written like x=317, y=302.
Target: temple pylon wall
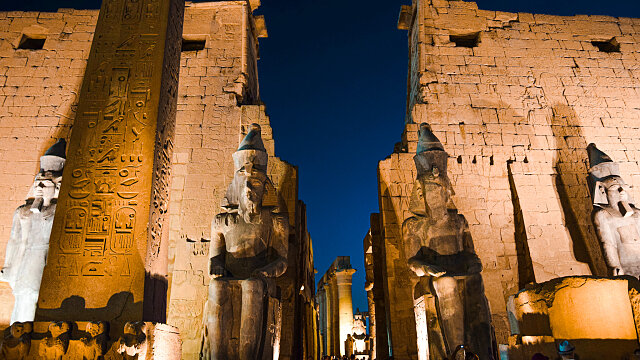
x=515, y=98
x=218, y=98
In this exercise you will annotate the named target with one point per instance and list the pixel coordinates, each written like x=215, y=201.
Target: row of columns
x=335, y=305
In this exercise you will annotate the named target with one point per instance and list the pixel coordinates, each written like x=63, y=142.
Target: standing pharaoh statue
x=441, y=253
x=616, y=219
x=27, y=249
x=248, y=252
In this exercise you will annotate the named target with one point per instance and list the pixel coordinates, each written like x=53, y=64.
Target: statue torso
x=247, y=243
x=440, y=242
x=36, y=227
x=445, y=236
x=35, y=231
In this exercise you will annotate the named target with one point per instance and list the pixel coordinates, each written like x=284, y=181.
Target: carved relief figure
x=95, y=346
x=440, y=251
x=615, y=216
x=133, y=344
x=249, y=249
x=29, y=243
x=56, y=344
x=17, y=343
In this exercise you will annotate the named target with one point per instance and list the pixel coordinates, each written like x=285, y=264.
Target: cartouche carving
x=440, y=250
x=29, y=242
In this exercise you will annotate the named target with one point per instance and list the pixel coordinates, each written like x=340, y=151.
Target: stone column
x=345, y=305
x=334, y=317
x=108, y=248
x=322, y=317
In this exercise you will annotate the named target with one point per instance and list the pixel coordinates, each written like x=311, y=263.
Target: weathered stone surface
x=217, y=88
x=249, y=250
x=28, y=246
x=515, y=112
x=595, y=314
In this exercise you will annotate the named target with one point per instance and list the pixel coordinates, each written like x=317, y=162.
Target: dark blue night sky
x=333, y=77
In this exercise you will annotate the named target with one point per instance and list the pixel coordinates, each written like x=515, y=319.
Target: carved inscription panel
x=99, y=242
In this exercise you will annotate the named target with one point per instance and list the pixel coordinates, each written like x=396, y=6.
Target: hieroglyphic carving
x=112, y=210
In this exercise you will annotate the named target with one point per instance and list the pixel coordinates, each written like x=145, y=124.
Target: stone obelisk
x=108, y=250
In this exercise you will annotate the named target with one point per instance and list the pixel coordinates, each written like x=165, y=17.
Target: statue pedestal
x=599, y=316
x=84, y=340
x=272, y=323
x=429, y=338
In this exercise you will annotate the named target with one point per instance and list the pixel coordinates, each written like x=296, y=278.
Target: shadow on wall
x=116, y=311
x=526, y=274
x=400, y=316
x=571, y=166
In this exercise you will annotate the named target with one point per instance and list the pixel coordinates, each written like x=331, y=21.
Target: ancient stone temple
x=515, y=99
x=140, y=201
x=335, y=314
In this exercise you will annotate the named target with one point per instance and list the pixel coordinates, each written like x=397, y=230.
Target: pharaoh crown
x=251, y=150
x=430, y=159
x=55, y=157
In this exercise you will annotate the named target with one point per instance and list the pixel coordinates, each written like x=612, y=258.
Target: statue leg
x=219, y=321
x=252, y=325
x=449, y=303
x=480, y=336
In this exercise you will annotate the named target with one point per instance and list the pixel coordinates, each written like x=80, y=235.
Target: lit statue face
x=251, y=184
x=46, y=187
x=434, y=195
x=617, y=191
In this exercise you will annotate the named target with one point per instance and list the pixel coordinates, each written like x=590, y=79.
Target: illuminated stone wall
x=217, y=90
x=515, y=98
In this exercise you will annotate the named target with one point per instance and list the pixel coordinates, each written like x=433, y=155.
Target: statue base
x=89, y=340
x=429, y=336
x=269, y=347
x=599, y=316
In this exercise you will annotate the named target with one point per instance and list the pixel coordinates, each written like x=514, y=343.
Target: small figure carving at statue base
x=29, y=242
x=95, y=346
x=134, y=341
x=615, y=216
x=440, y=250
x=18, y=342
x=56, y=344
x=248, y=251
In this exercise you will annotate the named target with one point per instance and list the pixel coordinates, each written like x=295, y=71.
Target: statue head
x=95, y=328
x=57, y=328
x=432, y=190
x=608, y=189
x=250, y=189
x=20, y=328
x=46, y=185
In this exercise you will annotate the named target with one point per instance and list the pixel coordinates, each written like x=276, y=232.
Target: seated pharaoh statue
x=248, y=252
x=616, y=218
x=28, y=245
x=440, y=252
